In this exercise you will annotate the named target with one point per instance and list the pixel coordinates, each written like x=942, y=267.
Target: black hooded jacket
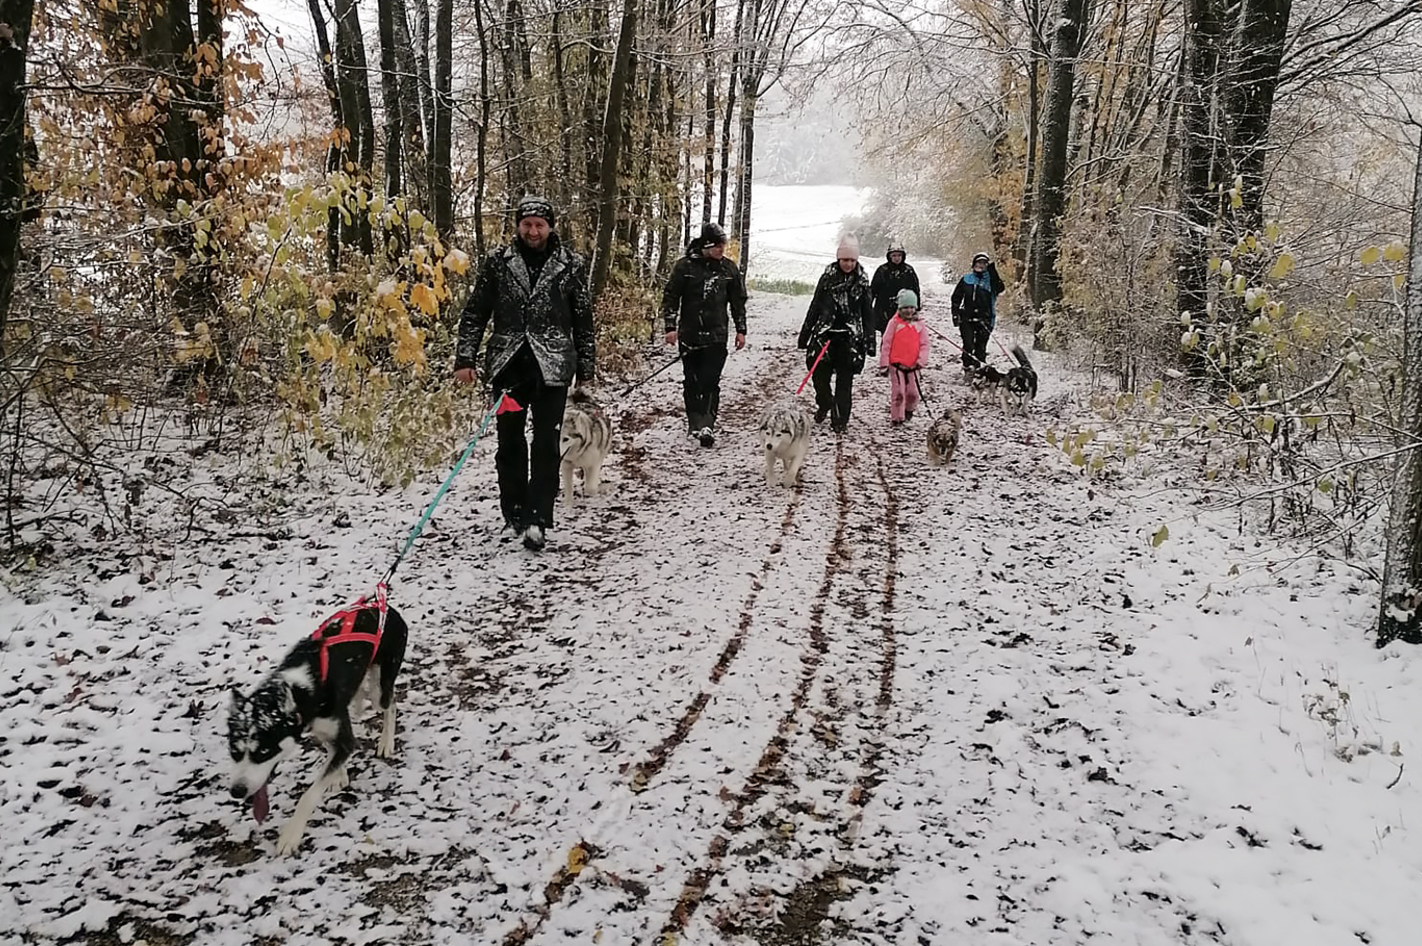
x=888, y=280
x=697, y=295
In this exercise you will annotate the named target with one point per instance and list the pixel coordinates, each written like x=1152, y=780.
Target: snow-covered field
x=796, y=230
x=897, y=705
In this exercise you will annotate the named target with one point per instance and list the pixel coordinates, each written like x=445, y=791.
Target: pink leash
x=813, y=366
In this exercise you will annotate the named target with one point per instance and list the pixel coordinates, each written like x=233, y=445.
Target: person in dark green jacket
x=702, y=286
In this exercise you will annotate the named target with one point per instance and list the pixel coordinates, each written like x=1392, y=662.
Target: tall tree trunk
x=1027, y=227
x=481, y=143
x=1067, y=38
x=16, y=17
x=441, y=177
x=708, y=52
x=1249, y=102
x=516, y=142
x=745, y=189
x=1400, y=614
x=412, y=84
x=422, y=67
x=612, y=147
x=596, y=81
x=336, y=150
x=354, y=88
x=389, y=96
x=560, y=92
x=730, y=109
x=1197, y=163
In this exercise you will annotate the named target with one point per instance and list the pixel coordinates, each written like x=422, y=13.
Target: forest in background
x=1205, y=203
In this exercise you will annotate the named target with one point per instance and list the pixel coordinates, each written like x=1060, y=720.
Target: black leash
x=918, y=380
x=651, y=376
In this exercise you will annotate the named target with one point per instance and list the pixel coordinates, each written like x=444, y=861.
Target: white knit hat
x=848, y=247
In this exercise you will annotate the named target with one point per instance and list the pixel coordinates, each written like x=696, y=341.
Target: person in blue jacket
x=975, y=309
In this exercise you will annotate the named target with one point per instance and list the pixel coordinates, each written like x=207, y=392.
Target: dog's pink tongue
x=259, y=805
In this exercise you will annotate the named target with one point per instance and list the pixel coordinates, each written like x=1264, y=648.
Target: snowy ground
x=897, y=705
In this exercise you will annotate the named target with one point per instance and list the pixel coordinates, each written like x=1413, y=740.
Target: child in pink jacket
x=904, y=351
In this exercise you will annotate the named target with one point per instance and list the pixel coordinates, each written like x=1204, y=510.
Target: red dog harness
x=339, y=628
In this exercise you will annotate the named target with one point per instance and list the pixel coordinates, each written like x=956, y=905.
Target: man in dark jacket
x=841, y=314
x=889, y=280
x=703, y=283
x=536, y=292
x=975, y=309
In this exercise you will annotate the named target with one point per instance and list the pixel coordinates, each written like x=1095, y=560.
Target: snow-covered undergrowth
x=897, y=705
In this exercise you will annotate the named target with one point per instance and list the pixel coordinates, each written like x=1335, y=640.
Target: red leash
x=813, y=366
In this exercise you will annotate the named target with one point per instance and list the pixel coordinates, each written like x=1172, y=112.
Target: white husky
x=585, y=440
x=786, y=433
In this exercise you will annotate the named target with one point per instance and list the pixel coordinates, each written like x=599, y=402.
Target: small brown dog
x=943, y=438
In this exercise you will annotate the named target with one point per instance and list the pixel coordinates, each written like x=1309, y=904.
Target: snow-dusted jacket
x=697, y=295
x=975, y=297
x=550, y=312
x=905, y=344
x=841, y=305
x=888, y=280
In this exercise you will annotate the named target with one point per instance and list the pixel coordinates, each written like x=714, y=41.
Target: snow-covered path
x=897, y=705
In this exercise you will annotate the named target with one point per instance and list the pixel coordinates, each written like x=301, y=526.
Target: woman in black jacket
x=840, y=323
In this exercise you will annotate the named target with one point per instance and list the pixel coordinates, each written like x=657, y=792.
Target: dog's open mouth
x=260, y=804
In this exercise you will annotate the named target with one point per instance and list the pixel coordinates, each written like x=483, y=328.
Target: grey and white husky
x=585, y=440
x=313, y=691
x=785, y=430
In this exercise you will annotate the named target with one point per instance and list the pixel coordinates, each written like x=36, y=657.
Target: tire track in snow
x=758, y=782
x=809, y=823
x=744, y=408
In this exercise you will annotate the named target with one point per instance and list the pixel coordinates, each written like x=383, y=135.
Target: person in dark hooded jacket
x=975, y=309
x=840, y=322
x=535, y=291
x=891, y=278
x=702, y=285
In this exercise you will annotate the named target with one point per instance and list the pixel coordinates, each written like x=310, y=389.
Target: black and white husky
x=585, y=440
x=986, y=383
x=785, y=429
x=1019, y=385
x=313, y=691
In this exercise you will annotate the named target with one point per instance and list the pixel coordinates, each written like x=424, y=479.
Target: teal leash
x=444, y=487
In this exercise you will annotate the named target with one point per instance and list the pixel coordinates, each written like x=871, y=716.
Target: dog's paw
x=289, y=839
x=338, y=780
x=385, y=747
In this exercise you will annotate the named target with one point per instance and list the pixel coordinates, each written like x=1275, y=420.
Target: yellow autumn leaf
x=577, y=859
x=1271, y=232
x=424, y=298
x=324, y=308
x=1282, y=266
x=1160, y=536
x=1394, y=252
x=1399, y=280
x=1370, y=256
x=456, y=261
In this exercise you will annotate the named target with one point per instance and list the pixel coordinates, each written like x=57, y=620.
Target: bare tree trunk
x=441, y=177
x=336, y=150
x=389, y=96
x=745, y=190
x=708, y=52
x=1400, y=613
x=736, y=39
x=1067, y=39
x=413, y=83
x=1029, y=179
x=16, y=17
x=1249, y=103
x=354, y=90
x=422, y=66
x=612, y=147
x=1197, y=163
